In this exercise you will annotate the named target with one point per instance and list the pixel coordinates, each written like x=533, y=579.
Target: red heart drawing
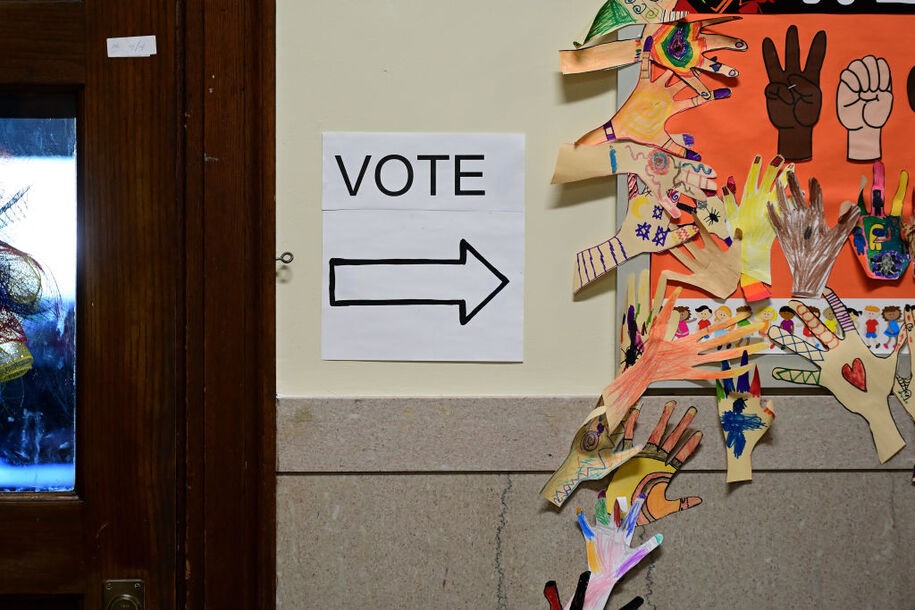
x=855, y=374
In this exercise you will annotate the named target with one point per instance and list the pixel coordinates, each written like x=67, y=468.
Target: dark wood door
x=56, y=550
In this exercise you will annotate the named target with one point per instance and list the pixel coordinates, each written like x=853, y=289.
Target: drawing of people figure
x=854, y=314
x=766, y=315
x=787, y=322
x=722, y=313
x=744, y=309
x=829, y=321
x=870, y=325
x=704, y=313
x=809, y=336
x=683, y=324
x=892, y=314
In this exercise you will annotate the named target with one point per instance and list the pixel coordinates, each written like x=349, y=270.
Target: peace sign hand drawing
x=864, y=101
x=793, y=95
x=858, y=378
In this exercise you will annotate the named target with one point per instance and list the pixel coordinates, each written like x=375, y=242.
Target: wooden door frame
x=227, y=541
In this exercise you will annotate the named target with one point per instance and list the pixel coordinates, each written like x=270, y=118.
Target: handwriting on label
x=132, y=46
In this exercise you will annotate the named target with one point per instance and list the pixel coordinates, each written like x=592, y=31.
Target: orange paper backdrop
x=729, y=133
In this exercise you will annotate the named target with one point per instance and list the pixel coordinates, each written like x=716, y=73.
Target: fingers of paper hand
x=551, y=593
x=795, y=345
x=899, y=196
x=661, y=426
x=657, y=505
x=674, y=437
x=812, y=321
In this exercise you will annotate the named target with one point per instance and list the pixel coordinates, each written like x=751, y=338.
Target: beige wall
x=411, y=502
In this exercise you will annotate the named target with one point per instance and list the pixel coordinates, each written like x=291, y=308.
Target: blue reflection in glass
x=37, y=304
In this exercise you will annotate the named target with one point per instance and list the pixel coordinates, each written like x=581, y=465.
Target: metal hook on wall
x=285, y=258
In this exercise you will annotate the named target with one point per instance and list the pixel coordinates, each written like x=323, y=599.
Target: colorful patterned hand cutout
x=646, y=228
x=809, y=245
x=616, y=14
x=607, y=545
x=793, y=95
x=660, y=171
x=710, y=213
x=864, y=101
x=714, y=269
x=664, y=358
x=685, y=48
x=592, y=456
x=643, y=116
x=752, y=220
x=743, y=418
x=879, y=239
x=650, y=472
x=902, y=386
x=859, y=379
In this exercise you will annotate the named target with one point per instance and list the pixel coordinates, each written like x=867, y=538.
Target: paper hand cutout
x=859, y=379
x=715, y=270
x=616, y=14
x=864, y=101
x=879, y=240
x=683, y=47
x=751, y=219
x=743, y=418
x=609, y=555
x=646, y=228
x=639, y=316
x=809, y=245
x=551, y=593
x=712, y=214
x=650, y=472
x=664, y=358
x=643, y=116
x=793, y=96
x=660, y=171
x=592, y=456
x=902, y=386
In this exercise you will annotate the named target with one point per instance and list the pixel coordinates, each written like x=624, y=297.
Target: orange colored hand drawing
x=644, y=115
x=650, y=472
x=664, y=358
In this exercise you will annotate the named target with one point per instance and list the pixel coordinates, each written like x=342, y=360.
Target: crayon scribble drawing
x=744, y=419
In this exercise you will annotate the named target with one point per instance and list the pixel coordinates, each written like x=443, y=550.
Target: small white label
x=132, y=46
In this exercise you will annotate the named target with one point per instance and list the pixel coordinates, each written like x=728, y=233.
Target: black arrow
x=427, y=281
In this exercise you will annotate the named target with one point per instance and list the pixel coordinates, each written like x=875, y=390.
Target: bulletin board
x=730, y=132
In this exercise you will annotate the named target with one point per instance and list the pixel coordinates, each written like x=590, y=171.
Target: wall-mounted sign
x=423, y=247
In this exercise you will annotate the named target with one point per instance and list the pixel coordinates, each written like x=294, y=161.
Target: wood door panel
x=42, y=42
x=42, y=546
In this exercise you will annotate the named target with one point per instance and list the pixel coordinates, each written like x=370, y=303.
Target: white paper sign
x=428, y=263
x=132, y=46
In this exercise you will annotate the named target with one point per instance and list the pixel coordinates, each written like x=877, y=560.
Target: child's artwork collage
x=765, y=148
